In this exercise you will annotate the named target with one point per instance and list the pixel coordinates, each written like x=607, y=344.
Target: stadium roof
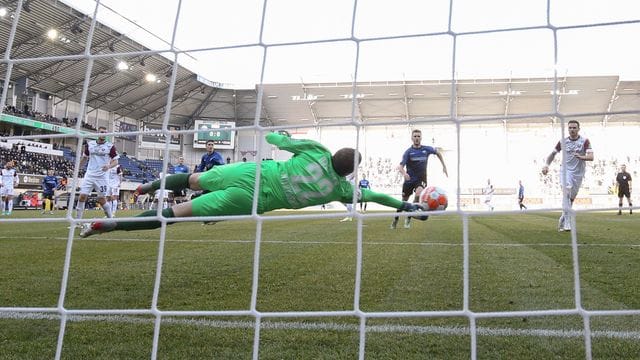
x=127, y=93
x=583, y=97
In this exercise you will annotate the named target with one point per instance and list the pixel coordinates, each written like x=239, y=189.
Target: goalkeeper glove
x=413, y=207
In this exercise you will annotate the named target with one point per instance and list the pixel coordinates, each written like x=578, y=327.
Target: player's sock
x=144, y=225
x=567, y=221
x=10, y=206
x=107, y=209
x=114, y=207
x=394, y=223
x=561, y=222
x=630, y=208
x=3, y=206
x=175, y=182
x=80, y=209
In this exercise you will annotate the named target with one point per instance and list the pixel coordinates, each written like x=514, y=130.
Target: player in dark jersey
x=415, y=176
x=521, y=195
x=364, y=184
x=49, y=186
x=210, y=159
x=624, y=188
x=311, y=177
x=180, y=168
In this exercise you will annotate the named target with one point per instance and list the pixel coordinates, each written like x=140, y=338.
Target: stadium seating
x=141, y=170
x=153, y=165
x=68, y=154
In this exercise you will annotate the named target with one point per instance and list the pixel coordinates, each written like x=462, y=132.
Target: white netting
x=432, y=36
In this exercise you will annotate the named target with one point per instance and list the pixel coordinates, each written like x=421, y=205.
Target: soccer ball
x=434, y=198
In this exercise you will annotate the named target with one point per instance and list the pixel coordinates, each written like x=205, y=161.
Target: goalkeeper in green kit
x=311, y=177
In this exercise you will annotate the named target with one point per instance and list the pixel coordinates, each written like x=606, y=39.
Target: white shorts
x=114, y=190
x=165, y=196
x=573, y=183
x=6, y=190
x=98, y=183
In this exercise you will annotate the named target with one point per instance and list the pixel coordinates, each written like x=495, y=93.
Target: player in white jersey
x=102, y=156
x=352, y=180
x=9, y=180
x=488, y=195
x=577, y=151
x=115, y=179
x=161, y=197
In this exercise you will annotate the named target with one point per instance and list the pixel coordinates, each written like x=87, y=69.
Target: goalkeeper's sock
x=144, y=225
x=395, y=219
x=175, y=183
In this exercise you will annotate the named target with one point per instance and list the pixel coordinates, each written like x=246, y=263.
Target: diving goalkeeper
x=311, y=177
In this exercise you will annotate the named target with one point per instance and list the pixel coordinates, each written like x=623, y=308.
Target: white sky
x=207, y=24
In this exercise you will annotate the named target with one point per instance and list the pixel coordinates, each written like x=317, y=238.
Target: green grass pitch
x=517, y=262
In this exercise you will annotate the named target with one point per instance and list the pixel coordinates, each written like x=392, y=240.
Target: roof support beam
x=178, y=98
x=203, y=104
x=105, y=73
x=177, y=101
x=35, y=40
x=405, y=100
x=312, y=109
x=561, y=89
x=508, y=98
x=157, y=95
x=614, y=97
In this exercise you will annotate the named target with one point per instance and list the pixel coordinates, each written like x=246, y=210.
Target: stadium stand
x=28, y=162
x=136, y=170
x=35, y=115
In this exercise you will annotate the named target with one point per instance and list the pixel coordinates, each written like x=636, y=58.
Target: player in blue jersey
x=181, y=168
x=364, y=184
x=415, y=176
x=210, y=159
x=49, y=186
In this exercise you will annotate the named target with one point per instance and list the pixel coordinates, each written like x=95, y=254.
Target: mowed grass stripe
x=518, y=262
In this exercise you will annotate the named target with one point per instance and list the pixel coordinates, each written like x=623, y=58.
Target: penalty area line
x=313, y=242
x=330, y=326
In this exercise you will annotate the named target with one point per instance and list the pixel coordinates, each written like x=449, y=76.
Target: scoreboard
x=217, y=131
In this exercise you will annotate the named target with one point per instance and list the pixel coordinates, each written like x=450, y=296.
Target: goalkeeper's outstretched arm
x=386, y=200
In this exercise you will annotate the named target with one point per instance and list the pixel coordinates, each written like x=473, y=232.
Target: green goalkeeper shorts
x=231, y=190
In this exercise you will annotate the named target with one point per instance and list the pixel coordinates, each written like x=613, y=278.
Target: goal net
x=491, y=85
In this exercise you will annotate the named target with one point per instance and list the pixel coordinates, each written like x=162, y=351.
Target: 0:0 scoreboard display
x=216, y=131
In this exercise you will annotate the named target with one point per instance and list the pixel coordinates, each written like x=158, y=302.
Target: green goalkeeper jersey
x=308, y=178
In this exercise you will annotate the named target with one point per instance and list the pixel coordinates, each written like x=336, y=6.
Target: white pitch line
x=282, y=325
x=310, y=242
